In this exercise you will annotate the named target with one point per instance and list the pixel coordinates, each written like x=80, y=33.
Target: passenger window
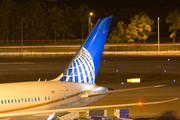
x=35, y=99
x=12, y=100
x=8, y=101
x=29, y=99
x=22, y=100
x=25, y=100
x=15, y=101
x=38, y=98
x=49, y=98
x=19, y=100
x=1, y=101
x=32, y=99
x=5, y=101
x=45, y=98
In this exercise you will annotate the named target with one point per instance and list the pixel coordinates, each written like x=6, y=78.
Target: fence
x=39, y=42
x=108, y=49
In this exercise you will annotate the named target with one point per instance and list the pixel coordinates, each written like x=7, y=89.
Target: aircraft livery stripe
x=73, y=79
x=77, y=71
x=92, y=69
x=83, y=71
x=88, y=69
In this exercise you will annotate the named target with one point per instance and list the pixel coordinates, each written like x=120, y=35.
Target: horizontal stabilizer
x=119, y=90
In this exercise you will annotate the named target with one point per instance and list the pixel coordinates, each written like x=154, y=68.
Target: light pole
x=179, y=29
x=158, y=34
x=22, y=35
x=89, y=22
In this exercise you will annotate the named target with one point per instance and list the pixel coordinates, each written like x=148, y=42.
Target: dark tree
x=82, y=14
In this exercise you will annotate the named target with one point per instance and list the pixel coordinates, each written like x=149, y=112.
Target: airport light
x=174, y=80
x=91, y=14
x=140, y=103
x=89, y=22
x=122, y=83
x=158, y=34
x=164, y=70
x=168, y=59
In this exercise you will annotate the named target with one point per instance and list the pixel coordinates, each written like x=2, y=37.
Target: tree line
x=141, y=26
x=39, y=21
x=58, y=22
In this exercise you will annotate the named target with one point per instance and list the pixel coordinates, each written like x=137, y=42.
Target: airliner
x=72, y=90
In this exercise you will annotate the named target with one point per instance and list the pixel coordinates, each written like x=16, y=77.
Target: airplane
x=71, y=91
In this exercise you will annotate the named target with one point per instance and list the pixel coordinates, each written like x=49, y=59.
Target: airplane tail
x=84, y=66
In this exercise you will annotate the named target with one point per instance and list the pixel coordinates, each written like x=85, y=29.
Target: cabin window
x=32, y=99
x=29, y=99
x=48, y=98
x=35, y=99
x=5, y=101
x=12, y=100
x=25, y=100
x=8, y=101
x=45, y=98
x=19, y=100
x=38, y=98
x=22, y=100
x=15, y=101
x=1, y=101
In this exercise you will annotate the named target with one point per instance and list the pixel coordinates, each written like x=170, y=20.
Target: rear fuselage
x=33, y=96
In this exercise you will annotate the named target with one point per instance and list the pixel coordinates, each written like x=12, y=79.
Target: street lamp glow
x=91, y=14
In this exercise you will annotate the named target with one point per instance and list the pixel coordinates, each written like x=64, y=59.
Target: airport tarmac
x=105, y=67
x=33, y=70
x=164, y=111
x=156, y=70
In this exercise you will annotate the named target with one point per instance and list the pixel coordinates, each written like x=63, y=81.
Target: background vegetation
x=40, y=22
x=141, y=27
x=44, y=24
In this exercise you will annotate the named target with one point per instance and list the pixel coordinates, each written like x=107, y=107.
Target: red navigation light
x=140, y=103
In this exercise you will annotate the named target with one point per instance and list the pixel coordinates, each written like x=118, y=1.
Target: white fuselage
x=33, y=96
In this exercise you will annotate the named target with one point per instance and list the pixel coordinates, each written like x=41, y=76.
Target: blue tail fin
x=84, y=66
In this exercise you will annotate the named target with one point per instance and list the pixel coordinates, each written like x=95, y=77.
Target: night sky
x=125, y=9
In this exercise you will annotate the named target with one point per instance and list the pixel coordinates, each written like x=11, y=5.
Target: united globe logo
x=81, y=69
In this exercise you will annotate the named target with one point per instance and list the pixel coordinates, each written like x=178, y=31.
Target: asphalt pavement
x=21, y=71
x=164, y=111
x=157, y=70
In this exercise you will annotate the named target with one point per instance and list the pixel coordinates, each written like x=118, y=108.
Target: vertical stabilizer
x=84, y=66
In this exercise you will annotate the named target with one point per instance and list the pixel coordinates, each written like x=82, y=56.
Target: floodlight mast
x=158, y=35
x=22, y=35
x=89, y=22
